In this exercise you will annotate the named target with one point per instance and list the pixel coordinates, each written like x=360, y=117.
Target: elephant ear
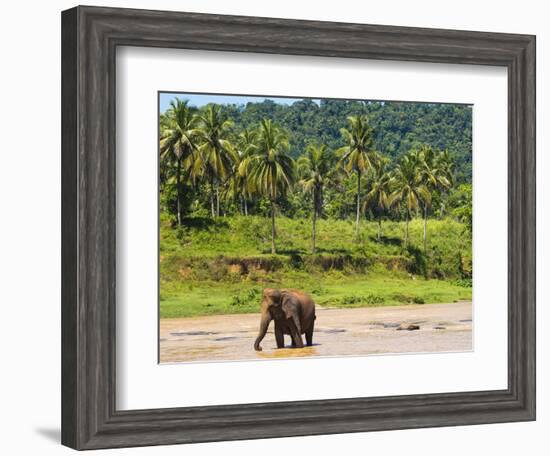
x=289, y=305
x=273, y=295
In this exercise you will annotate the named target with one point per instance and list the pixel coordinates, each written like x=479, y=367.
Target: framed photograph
x=280, y=228
x=258, y=193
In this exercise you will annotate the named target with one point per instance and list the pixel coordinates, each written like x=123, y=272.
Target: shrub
x=408, y=299
x=400, y=297
x=465, y=283
x=246, y=298
x=371, y=299
x=318, y=290
x=374, y=299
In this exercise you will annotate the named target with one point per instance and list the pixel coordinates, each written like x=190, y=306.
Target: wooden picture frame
x=90, y=36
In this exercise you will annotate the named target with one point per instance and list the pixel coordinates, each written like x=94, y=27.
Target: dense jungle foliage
x=398, y=126
x=358, y=203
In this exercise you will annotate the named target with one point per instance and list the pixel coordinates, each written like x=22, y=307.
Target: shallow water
x=338, y=332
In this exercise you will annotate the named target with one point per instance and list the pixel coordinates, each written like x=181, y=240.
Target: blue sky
x=199, y=100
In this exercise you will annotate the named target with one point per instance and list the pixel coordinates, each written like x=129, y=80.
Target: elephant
x=294, y=314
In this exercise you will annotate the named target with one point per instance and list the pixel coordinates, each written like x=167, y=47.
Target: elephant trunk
x=266, y=318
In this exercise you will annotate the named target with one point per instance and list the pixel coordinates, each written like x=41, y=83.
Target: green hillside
x=220, y=266
x=399, y=126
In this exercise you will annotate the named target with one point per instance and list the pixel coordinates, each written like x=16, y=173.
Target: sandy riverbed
x=338, y=332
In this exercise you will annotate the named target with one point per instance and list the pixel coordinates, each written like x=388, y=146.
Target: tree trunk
x=273, y=227
x=217, y=199
x=442, y=211
x=212, y=209
x=425, y=229
x=179, y=191
x=379, y=226
x=358, y=203
x=407, y=229
x=315, y=205
x=245, y=207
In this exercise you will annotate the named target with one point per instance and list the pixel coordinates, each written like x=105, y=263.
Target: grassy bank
x=359, y=291
x=220, y=267
x=246, y=236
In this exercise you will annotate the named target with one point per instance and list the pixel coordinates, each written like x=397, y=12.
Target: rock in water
x=407, y=327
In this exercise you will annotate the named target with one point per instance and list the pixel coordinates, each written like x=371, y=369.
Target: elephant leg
x=279, y=336
x=309, y=334
x=297, y=341
x=296, y=333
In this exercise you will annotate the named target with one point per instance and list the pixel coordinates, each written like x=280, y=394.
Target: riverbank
x=338, y=332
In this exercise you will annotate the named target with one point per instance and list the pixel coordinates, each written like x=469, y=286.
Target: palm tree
x=357, y=154
x=246, y=144
x=315, y=166
x=445, y=164
x=409, y=187
x=436, y=172
x=217, y=153
x=179, y=145
x=269, y=168
x=378, y=198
